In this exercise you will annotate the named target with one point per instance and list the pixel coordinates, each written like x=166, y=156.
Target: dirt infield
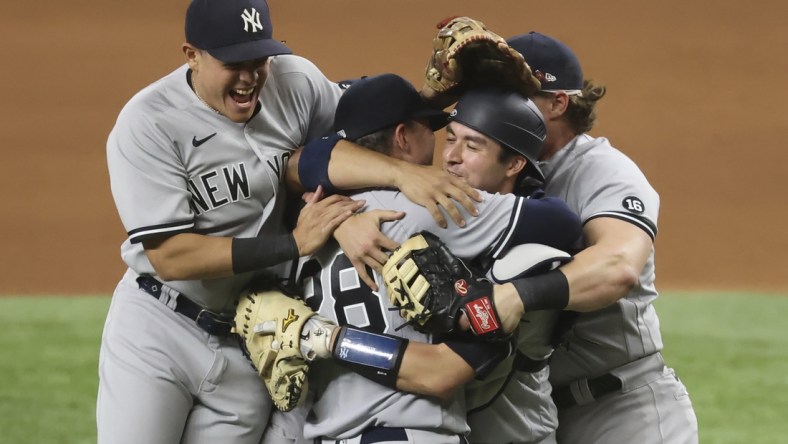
x=696, y=92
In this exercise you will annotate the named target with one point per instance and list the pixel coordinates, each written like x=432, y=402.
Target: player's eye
x=252, y=65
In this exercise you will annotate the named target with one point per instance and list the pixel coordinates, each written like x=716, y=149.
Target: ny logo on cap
x=252, y=18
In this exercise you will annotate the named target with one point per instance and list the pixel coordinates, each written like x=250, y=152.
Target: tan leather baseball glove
x=271, y=325
x=467, y=55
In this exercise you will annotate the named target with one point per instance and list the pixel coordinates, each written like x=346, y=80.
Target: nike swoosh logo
x=197, y=142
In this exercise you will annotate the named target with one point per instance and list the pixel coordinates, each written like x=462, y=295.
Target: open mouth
x=242, y=96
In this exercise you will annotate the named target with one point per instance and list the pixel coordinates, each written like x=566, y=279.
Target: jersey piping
x=514, y=220
x=643, y=224
x=139, y=234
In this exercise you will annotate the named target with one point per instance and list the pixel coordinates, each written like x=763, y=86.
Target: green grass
x=49, y=369
x=731, y=350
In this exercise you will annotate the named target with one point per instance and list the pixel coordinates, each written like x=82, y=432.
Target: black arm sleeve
x=481, y=356
x=255, y=253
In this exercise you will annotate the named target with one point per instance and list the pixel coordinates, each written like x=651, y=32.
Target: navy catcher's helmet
x=509, y=118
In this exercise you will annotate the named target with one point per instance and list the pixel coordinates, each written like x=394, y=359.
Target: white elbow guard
x=527, y=260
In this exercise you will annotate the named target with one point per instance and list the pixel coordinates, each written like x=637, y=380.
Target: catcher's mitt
x=270, y=325
x=467, y=55
x=431, y=288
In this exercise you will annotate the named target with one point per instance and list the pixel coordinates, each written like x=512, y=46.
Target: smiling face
x=476, y=158
x=230, y=89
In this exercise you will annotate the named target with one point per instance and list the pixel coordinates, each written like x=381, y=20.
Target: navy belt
x=382, y=434
x=213, y=323
x=599, y=386
x=631, y=375
x=374, y=435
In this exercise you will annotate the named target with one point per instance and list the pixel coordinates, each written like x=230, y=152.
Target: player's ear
x=516, y=164
x=560, y=103
x=190, y=53
x=401, y=144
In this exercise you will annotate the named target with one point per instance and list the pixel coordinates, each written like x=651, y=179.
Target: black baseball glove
x=432, y=288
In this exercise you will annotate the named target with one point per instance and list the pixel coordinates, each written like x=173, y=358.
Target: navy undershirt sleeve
x=313, y=164
x=548, y=221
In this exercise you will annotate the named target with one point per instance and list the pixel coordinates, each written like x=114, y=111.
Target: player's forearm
x=593, y=280
x=338, y=164
x=433, y=370
x=354, y=167
x=414, y=367
x=188, y=256
x=597, y=278
x=610, y=265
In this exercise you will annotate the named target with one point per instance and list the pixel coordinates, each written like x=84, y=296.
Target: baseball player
x=535, y=420
x=196, y=162
x=335, y=292
x=610, y=381
x=385, y=114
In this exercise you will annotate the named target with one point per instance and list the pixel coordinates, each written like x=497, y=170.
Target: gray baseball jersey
x=178, y=167
x=346, y=403
x=596, y=180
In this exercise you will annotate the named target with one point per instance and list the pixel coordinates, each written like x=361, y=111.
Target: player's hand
x=320, y=217
x=509, y=307
x=435, y=189
x=364, y=244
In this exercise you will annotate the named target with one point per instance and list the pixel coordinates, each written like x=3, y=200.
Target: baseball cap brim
x=253, y=50
x=437, y=119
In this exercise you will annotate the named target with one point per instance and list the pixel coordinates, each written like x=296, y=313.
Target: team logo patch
x=343, y=352
x=291, y=317
x=251, y=19
x=461, y=287
x=633, y=205
x=480, y=312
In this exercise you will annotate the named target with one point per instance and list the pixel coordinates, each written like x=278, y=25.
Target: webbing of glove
x=467, y=54
x=269, y=325
x=443, y=70
x=455, y=289
x=415, y=276
x=432, y=287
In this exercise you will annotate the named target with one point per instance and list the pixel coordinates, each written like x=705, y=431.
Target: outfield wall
x=696, y=92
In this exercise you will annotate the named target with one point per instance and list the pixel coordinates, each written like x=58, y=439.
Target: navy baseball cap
x=553, y=63
x=232, y=30
x=374, y=103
